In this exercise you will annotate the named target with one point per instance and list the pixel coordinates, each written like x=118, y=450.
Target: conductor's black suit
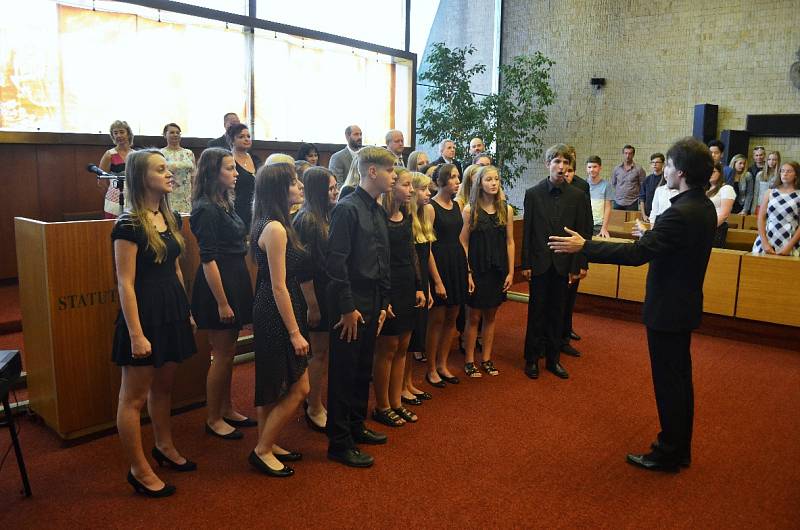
x=678, y=248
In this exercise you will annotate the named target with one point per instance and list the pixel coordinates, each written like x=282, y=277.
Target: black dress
x=277, y=366
x=488, y=259
x=221, y=237
x=417, y=342
x=161, y=300
x=405, y=280
x=245, y=186
x=317, y=247
x=449, y=255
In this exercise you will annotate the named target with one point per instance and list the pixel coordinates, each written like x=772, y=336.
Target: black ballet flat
x=437, y=384
x=262, y=466
x=247, y=422
x=312, y=424
x=162, y=460
x=235, y=434
x=411, y=401
x=453, y=380
x=289, y=457
x=141, y=489
x=423, y=396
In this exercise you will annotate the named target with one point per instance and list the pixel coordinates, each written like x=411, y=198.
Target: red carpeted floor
x=493, y=452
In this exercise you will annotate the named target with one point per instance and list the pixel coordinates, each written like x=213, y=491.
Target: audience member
x=487, y=236
x=340, y=161
x=228, y=120
x=779, y=215
x=476, y=147
x=549, y=206
x=182, y=165
x=153, y=331
x=312, y=224
x=406, y=296
x=416, y=160
x=766, y=179
x=113, y=161
x=627, y=180
x=651, y=182
x=239, y=141
x=309, y=153
x=358, y=294
x=743, y=184
x=759, y=158
x=722, y=196
x=662, y=198
x=600, y=194
x=448, y=270
x=717, y=150
x=280, y=327
x=483, y=159
x=222, y=295
x=572, y=292
x=394, y=143
x=447, y=154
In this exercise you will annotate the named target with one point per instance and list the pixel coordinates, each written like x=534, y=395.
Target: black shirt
x=648, y=190
x=222, y=142
x=217, y=231
x=245, y=186
x=358, y=256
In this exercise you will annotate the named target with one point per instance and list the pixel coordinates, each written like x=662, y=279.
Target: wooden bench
x=769, y=289
x=750, y=222
x=739, y=239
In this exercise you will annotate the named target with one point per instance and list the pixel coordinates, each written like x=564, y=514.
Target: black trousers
x=544, y=333
x=671, y=365
x=569, y=307
x=349, y=374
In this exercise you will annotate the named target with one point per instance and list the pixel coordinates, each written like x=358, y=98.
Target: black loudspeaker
x=705, y=122
x=736, y=143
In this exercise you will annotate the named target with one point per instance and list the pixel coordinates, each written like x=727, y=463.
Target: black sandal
x=420, y=356
x=472, y=371
x=388, y=417
x=406, y=414
x=488, y=367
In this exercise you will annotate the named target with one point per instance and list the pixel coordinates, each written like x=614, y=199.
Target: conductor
x=678, y=249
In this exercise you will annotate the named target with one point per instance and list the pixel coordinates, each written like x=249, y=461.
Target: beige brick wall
x=659, y=59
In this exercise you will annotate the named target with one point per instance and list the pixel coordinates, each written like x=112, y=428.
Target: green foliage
x=512, y=119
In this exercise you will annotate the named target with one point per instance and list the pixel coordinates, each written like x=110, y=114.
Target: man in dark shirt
x=649, y=186
x=678, y=248
x=759, y=158
x=229, y=119
x=358, y=266
x=550, y=205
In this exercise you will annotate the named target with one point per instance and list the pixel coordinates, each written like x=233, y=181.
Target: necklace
x=154, y=212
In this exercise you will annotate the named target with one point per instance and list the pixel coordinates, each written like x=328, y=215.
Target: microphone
x=91, y=168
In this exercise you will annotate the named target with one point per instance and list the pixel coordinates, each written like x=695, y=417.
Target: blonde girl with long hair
x=488, y=240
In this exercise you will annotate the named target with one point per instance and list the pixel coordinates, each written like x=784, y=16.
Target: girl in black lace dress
x=154, y=329
x=488, y=240
x=448, y=270
x=279, y=314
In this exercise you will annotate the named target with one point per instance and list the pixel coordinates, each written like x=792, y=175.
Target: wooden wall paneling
x=768, y=289
x=601, y=280
x=56, y=180
x=88, y=196
x=33, y=298
x=18, y=186
x=632, y=282
x=722, y=280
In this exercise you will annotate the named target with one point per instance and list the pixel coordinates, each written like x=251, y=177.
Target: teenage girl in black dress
x=488, y=240
x=448, y=275
x=222, y=295
x=311, y=224
x=406, y=295
x=154, y=328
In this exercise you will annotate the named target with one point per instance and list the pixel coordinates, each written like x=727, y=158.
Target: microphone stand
x=118, y=181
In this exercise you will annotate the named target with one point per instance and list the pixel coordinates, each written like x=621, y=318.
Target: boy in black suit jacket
x=678, y=248
x=550, y=205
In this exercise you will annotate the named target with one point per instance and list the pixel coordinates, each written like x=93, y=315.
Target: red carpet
x=493, y=452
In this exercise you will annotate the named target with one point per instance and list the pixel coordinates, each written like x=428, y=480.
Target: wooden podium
x=69, y=302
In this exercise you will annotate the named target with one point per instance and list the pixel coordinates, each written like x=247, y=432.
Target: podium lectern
x=69, y=302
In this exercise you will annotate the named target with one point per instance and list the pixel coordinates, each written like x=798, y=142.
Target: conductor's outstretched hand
x=567, y=244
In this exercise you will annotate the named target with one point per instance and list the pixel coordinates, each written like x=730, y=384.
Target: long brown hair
x=206, y=181
x=477, y=192
x=317, y=206
x=137, y=164
x=271, y=200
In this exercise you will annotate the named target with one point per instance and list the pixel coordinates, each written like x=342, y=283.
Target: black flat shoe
x=453, y=380
x=684, y=460
x=574, y=336
x=351, y=457
x=557, y=370
x=162, y=460
x=140, y=488
x=567, y=349
x=289, y=457
x=247, y=422
x=437, y=384
x=653, y=462
x=313, y=425
x=235, y=434
x=532, y=370
x=370, y=437
x=262, y=466
x=424, y=396
x=411, y=401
